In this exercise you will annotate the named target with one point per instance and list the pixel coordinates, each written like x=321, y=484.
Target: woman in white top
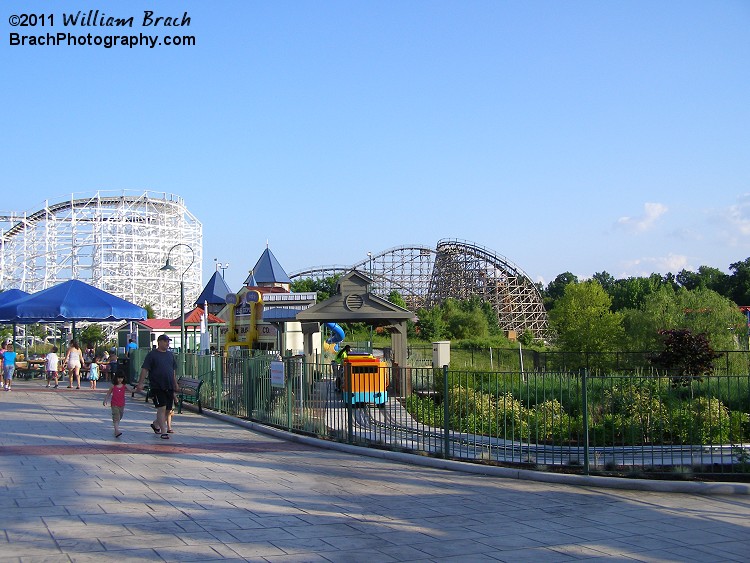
x=73, y=363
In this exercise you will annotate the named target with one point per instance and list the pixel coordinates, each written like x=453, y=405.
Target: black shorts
x=163, y=398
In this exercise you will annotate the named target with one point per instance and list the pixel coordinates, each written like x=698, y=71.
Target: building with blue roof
x=278, y=329
x=267, y=272
x=214, y=293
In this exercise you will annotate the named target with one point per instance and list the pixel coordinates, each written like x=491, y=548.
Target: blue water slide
x=337, y=333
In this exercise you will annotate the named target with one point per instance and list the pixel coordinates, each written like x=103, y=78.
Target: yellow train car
x=365, y=380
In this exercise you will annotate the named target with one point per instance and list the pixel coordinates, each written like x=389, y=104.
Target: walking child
x=9, y=366
x=94, y=372
x=51, y=364
x=117, y=395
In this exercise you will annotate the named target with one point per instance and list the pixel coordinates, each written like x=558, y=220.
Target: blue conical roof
x=268, y=269
x=251, y=281
x=215, y=292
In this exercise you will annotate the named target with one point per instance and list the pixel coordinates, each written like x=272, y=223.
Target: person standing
x=113, y=364
x=88, y=355
x=51, y=363
x=73, y=363
x=161, y=368
x=9, y=366
x=117, y=395
x=340, y=358
x=131, y=346
x=94, y=373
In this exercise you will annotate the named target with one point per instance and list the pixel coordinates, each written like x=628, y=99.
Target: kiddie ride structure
x=331, y=345
x=245, y=312
x=365, y=377
x=365, y=380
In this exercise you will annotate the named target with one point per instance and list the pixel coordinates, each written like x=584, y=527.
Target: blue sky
x=567, y=136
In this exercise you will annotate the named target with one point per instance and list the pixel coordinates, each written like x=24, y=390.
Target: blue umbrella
x=11, y=295
x=72, y=300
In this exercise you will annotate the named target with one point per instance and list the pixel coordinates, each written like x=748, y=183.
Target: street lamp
x=222, y=266
x=166, y=268
x=369, y=290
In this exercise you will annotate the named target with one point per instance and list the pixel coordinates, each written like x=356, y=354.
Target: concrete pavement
x=220, y=492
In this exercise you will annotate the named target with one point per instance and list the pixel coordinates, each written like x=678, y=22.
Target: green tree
x=556, y=289
x=583, y=320
x=739, y=282
x=709, y=278
x=700, y=311
x=395, y=298
x=92, y=334
x=149, y=311
x=467, y=324
x=431, y=325
x=526, y=337
x=325, y=286
x=606, y=280
x=630, y=293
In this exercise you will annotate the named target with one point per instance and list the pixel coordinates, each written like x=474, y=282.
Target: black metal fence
x=629, y=423
x=526, y=359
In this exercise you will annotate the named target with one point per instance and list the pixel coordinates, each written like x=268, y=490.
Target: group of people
x=160, y=366
x=75, y=360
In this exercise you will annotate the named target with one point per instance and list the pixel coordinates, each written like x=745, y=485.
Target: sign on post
x=277, y=374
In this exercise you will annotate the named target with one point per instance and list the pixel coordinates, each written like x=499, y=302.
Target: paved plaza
x=216, y=491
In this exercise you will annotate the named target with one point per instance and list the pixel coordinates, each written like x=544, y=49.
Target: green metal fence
x=634, y=423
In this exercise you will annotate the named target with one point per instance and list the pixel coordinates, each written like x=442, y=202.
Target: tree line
x=602, y=313
x=631, y=292
x=632, y=314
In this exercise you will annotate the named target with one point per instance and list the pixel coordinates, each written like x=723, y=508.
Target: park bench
x=29, y=370
x=28, y=373
x=189, y=390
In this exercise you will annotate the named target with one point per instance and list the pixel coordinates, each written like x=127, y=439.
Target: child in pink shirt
x=117, y=395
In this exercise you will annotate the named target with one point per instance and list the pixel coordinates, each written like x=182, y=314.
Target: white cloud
x=737, y=219
x=643, y=223
x=642, y=267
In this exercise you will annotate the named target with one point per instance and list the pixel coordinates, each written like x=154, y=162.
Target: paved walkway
x=219, y=492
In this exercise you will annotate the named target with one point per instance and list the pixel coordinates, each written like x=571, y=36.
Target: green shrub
x=551, y=422
x=739, y=426
x=424, y=410
x=702, y=421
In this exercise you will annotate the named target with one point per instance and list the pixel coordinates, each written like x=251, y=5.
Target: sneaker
x=55, y=387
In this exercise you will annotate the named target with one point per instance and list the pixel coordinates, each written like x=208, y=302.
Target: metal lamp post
x=369, y=290
x=221, y=266
x=167, y=267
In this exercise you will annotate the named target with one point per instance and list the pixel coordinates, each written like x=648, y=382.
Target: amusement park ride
x=116, y=241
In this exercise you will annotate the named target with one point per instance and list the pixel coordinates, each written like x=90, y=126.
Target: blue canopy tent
x=72, y=301
x=11, y=295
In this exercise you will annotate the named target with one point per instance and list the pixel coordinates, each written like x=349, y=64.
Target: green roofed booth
x=353, y=303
